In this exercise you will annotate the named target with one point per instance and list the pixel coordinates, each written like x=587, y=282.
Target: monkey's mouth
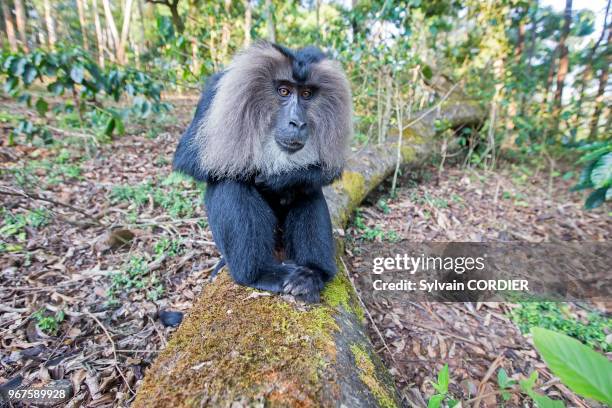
x=290, y=146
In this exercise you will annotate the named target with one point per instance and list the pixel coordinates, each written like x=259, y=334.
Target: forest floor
x=89, y=291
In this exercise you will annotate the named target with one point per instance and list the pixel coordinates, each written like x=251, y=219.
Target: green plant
x=583, y=370
x=596, y=173
x=557, y=317
x=542, y=401
x=441, y=386
x=13, y=225
x=134, y=277
x=169, y=247
x=49, y=324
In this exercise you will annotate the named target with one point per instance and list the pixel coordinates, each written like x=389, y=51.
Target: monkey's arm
x=187, y=155
x=308, y=179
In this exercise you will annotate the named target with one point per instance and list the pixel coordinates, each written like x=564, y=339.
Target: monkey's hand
x=307, y=180
x=304, y=283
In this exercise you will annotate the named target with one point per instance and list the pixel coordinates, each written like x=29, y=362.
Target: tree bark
x=99, y=37
x=601, y=89
x=248, y=22
x=588, y=64
x=271, y=28
x=530, y=52
x=177, y=21
x=83, y=22
x=9, y=26
x=112, y=27
x=125, y=31
x=236, y=345
x=50, y=24
x=21, y=20
x=563, y=67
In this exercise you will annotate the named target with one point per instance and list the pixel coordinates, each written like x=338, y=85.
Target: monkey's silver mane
x=234, y=139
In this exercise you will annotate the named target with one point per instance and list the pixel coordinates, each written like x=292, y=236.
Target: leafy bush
x=597, y=172
x=73, y=70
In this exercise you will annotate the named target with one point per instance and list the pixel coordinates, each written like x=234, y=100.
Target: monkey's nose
x=298, y=124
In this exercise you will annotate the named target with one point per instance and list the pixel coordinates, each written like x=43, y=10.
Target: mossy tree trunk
x=238, y=346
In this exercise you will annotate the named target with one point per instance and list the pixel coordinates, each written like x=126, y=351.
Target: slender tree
x=271, y=28
x=83, y=22
x=8, y=25
x=21, y=20
x=125, y=31
x=563, y=66
x=50, y=23
x=225, y=29
x=601, y=89
x=248, y=22
x=177, y=21
x=111, y=27
x=99, y=37
x=587, y=73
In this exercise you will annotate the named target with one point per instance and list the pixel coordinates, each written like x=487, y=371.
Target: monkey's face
x=291, y=130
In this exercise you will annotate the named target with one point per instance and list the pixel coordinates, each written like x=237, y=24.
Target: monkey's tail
x=218, y=268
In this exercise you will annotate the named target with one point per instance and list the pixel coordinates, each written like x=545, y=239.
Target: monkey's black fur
x=253, y=216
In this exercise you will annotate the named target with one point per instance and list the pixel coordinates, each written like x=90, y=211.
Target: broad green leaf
x=596, y=198
x=56, y=88
x=29, y=75
x=435, y=401
x=542, y=401
x=595, y=154
x=443, y=380
x=601, y=175
x=41, y=106
x=76, y=74
x=585, y=371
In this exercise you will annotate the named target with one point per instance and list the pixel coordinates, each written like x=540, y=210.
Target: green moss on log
x=367, y=374
x=212, y=361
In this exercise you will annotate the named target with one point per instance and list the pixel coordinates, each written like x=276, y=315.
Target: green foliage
x=542, y=401
x=73, y=70
x=441, y=386
x=134, y=278
x=376, y=233
x=556, y=317
x=14, y=226
x=49, y=324
x=171, y=196
x=596, y=173
x=583, y=370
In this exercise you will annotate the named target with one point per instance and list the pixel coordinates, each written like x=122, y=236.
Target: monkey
x=269, y=132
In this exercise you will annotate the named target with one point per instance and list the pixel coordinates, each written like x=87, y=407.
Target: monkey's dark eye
x=284, y=91
x=306, y=94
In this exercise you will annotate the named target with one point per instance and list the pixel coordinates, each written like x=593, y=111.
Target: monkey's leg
x=243, y=227
x=309, y=243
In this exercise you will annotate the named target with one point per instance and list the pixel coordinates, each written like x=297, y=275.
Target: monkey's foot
x=304, y=283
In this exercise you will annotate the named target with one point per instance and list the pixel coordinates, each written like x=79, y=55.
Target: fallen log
x=240, y=347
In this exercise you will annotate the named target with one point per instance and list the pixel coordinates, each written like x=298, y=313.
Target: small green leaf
x=56, y=88
x=76, y=74
x=443, y=380
x=542, y=401
x=585, y=371
x=601, y=175
x=435, y=401
x=41, y=106
x=596, y=198
x=29, y=75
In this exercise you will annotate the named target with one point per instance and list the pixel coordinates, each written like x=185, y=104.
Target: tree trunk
x=112, y=27
x=563, y=67
x=99, y=37
x=601, y=89
x=260, y=350
x=83, y=22
x=549, y=81
x=530, y=52
x=9, y=26
x=271, y=28
x=21, y=20
x=51, y=37
x=125, y=31
x=225, y=30
x=587, y=74
x=248, y=22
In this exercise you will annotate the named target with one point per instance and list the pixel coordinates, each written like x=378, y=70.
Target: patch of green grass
x=134, y=277
x=49, y=324
x=557, y=317
x=14, y=225
x=168, y=247
x=371, y=234
x=178, y=195
x=383, y=206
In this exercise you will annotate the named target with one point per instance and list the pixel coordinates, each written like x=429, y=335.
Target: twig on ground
x=116, y=361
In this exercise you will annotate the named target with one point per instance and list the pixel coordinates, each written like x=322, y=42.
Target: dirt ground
x=416, y=339
x=88, y=290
